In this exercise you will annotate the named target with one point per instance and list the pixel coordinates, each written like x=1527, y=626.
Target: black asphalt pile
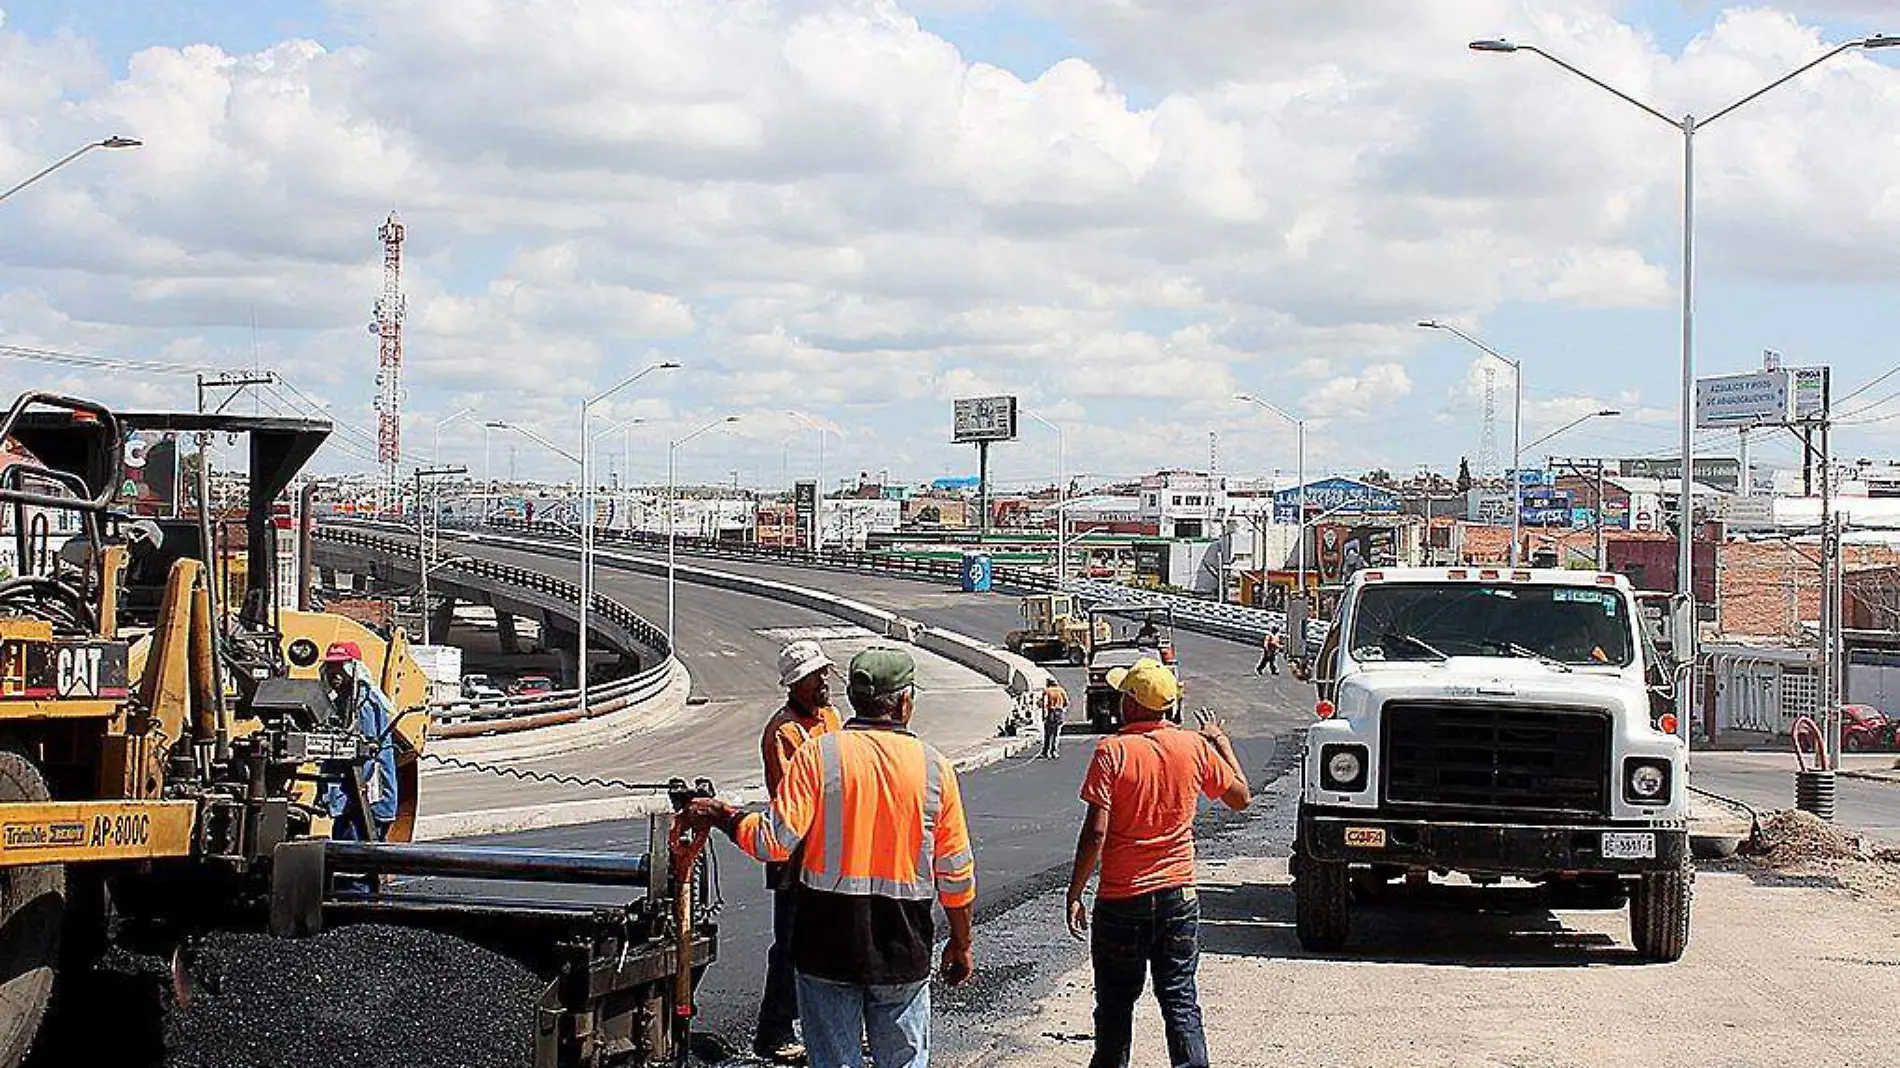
x=353, y=997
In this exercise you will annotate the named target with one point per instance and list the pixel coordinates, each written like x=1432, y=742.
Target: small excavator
x=163, y=757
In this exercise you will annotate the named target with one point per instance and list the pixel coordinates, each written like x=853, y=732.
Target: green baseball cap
x=881, y=670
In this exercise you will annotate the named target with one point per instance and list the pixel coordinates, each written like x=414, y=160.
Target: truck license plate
x=1365, y=837
x=1629, y=845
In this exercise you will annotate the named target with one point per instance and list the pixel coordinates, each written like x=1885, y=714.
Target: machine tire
x=1322, y=904
x=1659, y=914
x=32, y=912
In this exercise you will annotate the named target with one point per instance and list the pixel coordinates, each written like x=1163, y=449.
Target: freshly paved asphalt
x=1023, y=812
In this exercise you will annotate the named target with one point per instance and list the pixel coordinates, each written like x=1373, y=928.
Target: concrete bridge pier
x=505, y=633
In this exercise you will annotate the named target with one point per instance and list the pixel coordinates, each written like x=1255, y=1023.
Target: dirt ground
x=1468, y=977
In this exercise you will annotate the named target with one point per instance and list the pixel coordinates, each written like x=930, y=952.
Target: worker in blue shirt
x=354, y=693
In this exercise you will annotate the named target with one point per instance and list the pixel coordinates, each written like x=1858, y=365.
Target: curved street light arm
x=1601, y=84
x=1788, y=77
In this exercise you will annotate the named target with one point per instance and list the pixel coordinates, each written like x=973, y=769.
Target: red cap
x=342, y=653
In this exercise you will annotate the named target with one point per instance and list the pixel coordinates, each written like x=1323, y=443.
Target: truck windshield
x=1567, y=624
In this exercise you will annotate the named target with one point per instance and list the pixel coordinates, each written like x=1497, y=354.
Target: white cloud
x=818, y=204
x=1361, y=395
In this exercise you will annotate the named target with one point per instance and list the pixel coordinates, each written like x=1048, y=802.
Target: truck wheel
x=32, y=910
x=1659, y=914
x=1322, y=904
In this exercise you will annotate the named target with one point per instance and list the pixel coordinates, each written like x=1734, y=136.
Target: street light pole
x=1688, y=125
x=445, y=421
x=672, y=484
x=587, y=512
x=1299, y=439
x=818, y=501
x=423, y=527
x=1517, y=426
x=114, y=141
x=1062, y=495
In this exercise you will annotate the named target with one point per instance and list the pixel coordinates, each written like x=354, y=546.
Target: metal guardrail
x=1233, y=622
x=507, y=714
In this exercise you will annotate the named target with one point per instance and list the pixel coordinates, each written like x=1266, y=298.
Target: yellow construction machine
x=163, y=760
x=1055, y=631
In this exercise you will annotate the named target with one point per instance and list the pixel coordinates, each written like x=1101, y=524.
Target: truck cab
x=1494, y=722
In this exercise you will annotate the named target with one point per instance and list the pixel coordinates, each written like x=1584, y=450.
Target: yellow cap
x=1149, y=682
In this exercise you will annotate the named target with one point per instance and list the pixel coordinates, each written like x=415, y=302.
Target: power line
x=108, y=363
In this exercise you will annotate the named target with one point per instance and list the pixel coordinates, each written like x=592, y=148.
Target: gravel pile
x=1793, y=839
x=353, y=997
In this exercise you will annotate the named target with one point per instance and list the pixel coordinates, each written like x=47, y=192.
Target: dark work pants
x=1159, y=934
x=778, y=1009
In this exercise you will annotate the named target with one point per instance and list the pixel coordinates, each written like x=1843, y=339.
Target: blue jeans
x=838, y=1017
x=778, y=1008
x=1158, y=933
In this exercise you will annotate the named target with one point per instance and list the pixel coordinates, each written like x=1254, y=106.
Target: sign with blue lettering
x=1342, y=495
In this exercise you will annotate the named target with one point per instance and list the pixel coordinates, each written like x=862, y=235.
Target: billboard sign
x=1719, y=472
x=805, y=512
x=1810, y=386
x=1334, y=495
x=983, y=419
x=1760, y=398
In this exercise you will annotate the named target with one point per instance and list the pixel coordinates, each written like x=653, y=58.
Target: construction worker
x=1269, y=652
x=1142, y=790
x=356, y=696
x=883, y=818
x=803, y=669
x=1055, y=709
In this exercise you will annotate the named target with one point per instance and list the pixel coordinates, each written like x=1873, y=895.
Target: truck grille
x=1496, y=756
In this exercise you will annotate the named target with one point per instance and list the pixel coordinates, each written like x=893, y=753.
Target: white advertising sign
x=983, y=419
x=1761, y=398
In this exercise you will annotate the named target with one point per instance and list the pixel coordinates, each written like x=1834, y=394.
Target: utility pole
x=236, y=381
x=426, y=532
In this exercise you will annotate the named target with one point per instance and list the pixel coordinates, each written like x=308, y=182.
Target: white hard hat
x=800, y=659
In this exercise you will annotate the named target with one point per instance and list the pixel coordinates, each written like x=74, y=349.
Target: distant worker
x=1269, y=652
x=1055, y=712
x=1142, y=789
x=1148, y=637
x=803, y=669
x=863, y=939
x=356, y=697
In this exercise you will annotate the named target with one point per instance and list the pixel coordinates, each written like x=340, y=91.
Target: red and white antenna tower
x=388, y=330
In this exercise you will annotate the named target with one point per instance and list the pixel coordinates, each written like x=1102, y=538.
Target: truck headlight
x=1343, y=768
x=1645, y=781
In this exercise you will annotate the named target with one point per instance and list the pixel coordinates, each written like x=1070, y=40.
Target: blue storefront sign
x=1343, y=495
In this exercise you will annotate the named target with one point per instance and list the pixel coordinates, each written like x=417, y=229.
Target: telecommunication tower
x=388, y=331
x=1488, y=435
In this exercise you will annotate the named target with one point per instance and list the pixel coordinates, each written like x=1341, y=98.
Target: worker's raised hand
x=1078, y=919
x=1211, y=726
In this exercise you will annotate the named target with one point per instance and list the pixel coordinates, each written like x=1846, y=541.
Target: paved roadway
x=1766, y=780
x=729, y=642
x=1023, y=812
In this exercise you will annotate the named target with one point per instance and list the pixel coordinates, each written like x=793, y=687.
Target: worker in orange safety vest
x=879, y=815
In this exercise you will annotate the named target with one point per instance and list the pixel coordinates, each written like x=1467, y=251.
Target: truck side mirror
x=1682, y=629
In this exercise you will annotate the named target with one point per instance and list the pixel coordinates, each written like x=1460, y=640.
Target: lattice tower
x=390, y=308
x=1488, y=433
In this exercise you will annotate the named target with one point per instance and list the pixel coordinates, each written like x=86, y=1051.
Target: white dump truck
x=1494, y=723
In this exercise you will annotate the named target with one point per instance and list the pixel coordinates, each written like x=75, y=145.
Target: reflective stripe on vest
x=828, y=874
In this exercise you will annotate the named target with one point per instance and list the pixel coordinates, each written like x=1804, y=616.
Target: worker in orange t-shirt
x=803, y=669
x=1142, y=790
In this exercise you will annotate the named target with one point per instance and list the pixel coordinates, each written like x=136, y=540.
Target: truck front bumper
x=1491, y=848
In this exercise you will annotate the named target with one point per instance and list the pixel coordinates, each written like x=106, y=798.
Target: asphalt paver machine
x=163, y=757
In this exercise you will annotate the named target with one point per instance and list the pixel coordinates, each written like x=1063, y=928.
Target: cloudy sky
x=1123, y=211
